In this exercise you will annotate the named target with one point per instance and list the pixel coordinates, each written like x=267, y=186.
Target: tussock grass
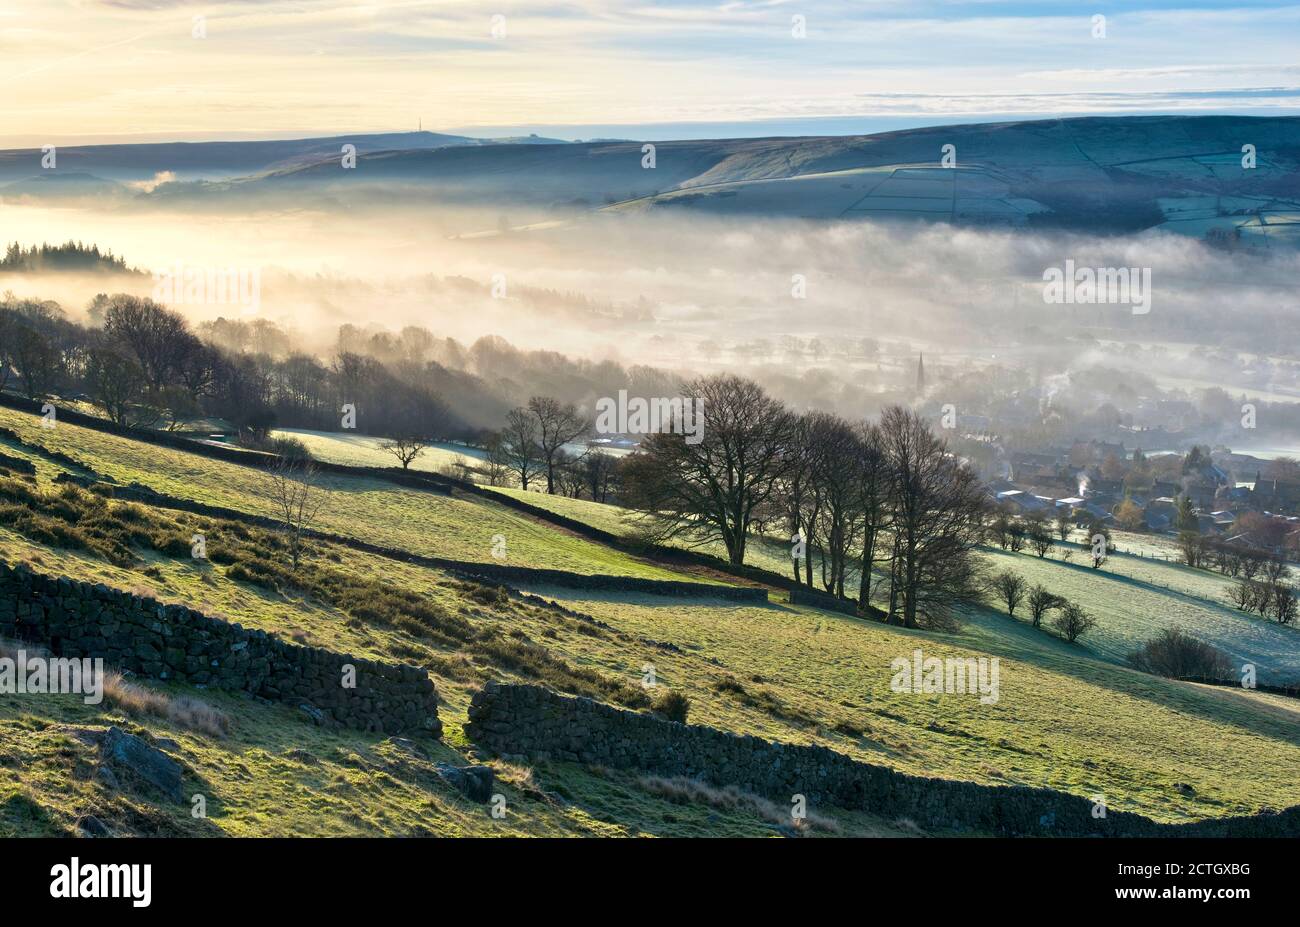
x=683, y=790
x=513, y=651
x=123, y=535
x=760, y=698
x=672, y=705
x=183, y=711
x=139, y=700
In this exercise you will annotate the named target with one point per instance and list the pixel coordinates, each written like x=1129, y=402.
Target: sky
x=99, y=70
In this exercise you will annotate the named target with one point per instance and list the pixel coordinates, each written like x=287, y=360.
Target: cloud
x=113, y=66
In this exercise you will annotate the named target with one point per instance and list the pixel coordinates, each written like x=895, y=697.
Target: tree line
x=143, y=365
x=883, y=504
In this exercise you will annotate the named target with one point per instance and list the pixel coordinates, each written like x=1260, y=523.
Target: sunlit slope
x=365, y=450
x=369, y=509
x=1063, y=718
x=1133, y=598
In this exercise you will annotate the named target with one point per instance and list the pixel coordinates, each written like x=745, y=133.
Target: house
x=1206, y=524
x=1155, y=521
x=1241, y=540
x=1027, y=466
x=1092, y=511
x=1276, y=495
x=1106, y=487
x=1160, y=513
x=1166, y=488
x=1022, y=501
x=1203, y=495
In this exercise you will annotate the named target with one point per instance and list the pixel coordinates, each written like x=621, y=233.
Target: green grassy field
x=278, y=775
x=1133, y=600
x=767, y=553
x=369, y=509
x=275, y=775
x=364, y=451
x=1134, y=597
x=1067, y=716
x=1063, y=718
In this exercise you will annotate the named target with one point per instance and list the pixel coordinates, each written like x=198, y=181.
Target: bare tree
x=839, y=489
x=158, y=337
x=115, y=382
x=1241, y=594
x=517, y=449
x=1064, y=522
x=599, y=471
x=405, y=447
x=1100, y=552
x=1040, y=535
x=1010, y=588
x=872, y=472
x=196, y=366
x=1176, y=654
x=810, y=455
x=1284, y=604
x=938, y=514
x=297, y=497
x=1275, y=568
x=570, y=478
x=496, y=466
x=709, y=491
x=8, y=323
x=557, y=425
x=31, y=354
x=1040, y=603
x=1072, y=621
x=795, y=488
x=1000, y=528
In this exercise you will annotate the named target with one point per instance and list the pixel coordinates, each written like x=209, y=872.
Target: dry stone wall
x=536, y=722
x=143, y=636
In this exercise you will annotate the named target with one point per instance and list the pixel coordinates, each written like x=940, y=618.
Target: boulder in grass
x=91, y=826
x=125, y=752
x=474, y=782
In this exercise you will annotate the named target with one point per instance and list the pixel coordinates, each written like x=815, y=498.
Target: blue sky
x=98, y=69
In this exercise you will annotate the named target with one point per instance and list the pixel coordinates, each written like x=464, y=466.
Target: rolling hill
x=1183, y=174
x=1070, y=717
x=141, y=161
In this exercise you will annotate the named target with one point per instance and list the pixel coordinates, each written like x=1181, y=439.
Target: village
x=1234, y=498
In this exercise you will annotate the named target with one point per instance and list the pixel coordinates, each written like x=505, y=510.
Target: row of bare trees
x=1232, y=558
x=882, y=504
x=1269, y=599
x=1011, y=590
x=532, y=445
